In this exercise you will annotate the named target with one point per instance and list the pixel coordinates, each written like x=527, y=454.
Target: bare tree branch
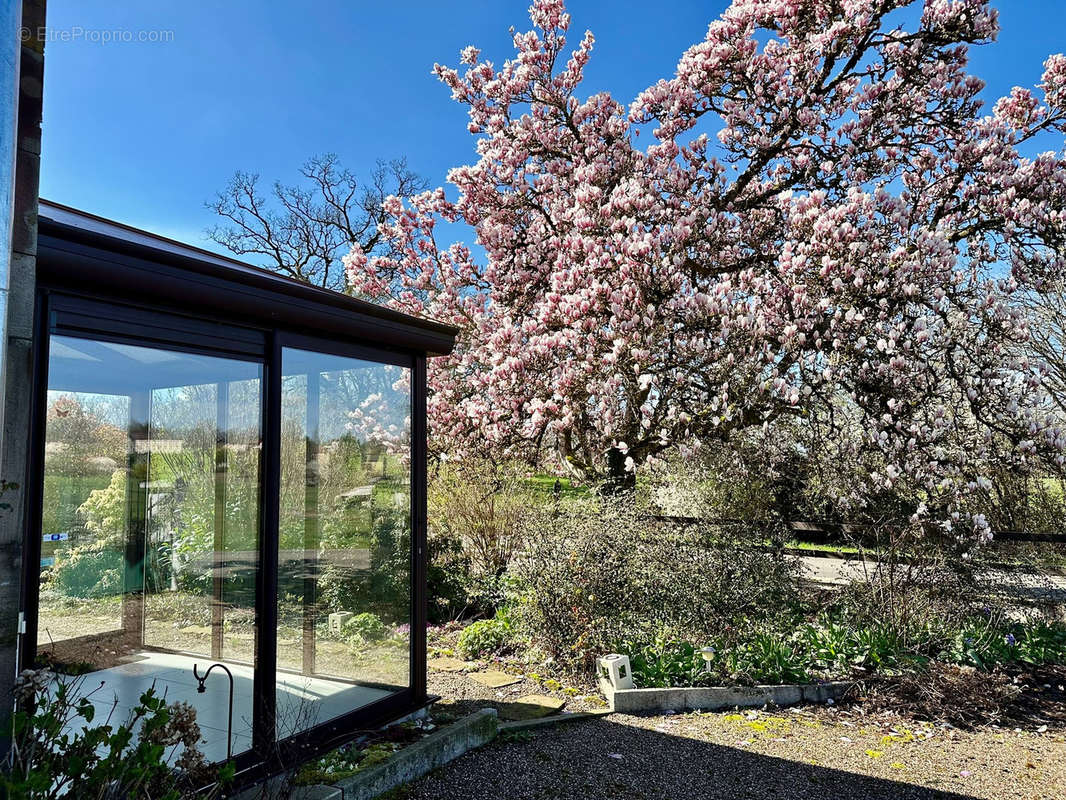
x=303, y=230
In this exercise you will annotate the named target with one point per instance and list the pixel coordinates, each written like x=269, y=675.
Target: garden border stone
x=514, y=726
x=424, y=756
x=319, y=792
x=716, y=698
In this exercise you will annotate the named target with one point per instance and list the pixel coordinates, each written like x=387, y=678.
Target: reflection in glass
x=150, y=524
x=344, y=575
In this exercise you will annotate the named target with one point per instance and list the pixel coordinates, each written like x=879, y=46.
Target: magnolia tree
x=815, y=218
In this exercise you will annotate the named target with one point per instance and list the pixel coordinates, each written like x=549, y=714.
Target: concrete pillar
x=18, y=249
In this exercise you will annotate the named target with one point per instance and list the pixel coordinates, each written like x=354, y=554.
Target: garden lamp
x=708, y=654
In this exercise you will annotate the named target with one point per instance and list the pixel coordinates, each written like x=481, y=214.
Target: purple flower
x=1010, y=640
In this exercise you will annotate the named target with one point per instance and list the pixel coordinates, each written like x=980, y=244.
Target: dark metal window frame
x=108, y=312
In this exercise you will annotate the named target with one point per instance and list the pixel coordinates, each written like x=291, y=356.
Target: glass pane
x=344, y=561
x=150, y=526
x=203, y=519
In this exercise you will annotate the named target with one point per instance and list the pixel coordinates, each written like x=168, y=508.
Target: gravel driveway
x=1046, y=587
x=824, y=753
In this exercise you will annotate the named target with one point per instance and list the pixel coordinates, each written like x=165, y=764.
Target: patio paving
x=494, y=678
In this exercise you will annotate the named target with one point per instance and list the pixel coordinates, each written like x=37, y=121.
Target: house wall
x=10, y=23
x=20, y=116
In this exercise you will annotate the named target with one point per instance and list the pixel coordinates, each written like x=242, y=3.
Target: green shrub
x=448, y=580
x=479, y=503
x=767, y=658
x=385, y=588
x=105, y=511
x=91, y=563
x=60, y=750
x=664, y=664
x=476, y=508
x=87, y=571
x=486, y=636
x=365, y=627
x=830, y=648
x=613, y=573
x=985, y=645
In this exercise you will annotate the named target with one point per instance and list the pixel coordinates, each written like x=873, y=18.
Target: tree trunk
x=618, y=478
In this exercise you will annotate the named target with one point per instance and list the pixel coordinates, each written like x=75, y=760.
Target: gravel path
x=1045, y=587
x=805, y=754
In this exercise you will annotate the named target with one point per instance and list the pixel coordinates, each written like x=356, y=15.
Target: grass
x=1006, y=553
x=819, y=546
x=543, y=485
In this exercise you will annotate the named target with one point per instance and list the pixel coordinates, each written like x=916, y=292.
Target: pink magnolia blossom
x=820, y=221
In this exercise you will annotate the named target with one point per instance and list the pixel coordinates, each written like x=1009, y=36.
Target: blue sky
x=146, y=132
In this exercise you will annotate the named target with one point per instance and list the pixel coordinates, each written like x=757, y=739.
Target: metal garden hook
x=202, y=689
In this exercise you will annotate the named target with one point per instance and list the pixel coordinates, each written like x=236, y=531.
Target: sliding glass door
x=202, y=518
x=150, y=523
x=344, y=550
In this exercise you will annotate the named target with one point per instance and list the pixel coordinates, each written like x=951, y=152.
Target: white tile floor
x=302, y=701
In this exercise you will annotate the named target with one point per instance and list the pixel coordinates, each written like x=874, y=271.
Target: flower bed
x=830, y=649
